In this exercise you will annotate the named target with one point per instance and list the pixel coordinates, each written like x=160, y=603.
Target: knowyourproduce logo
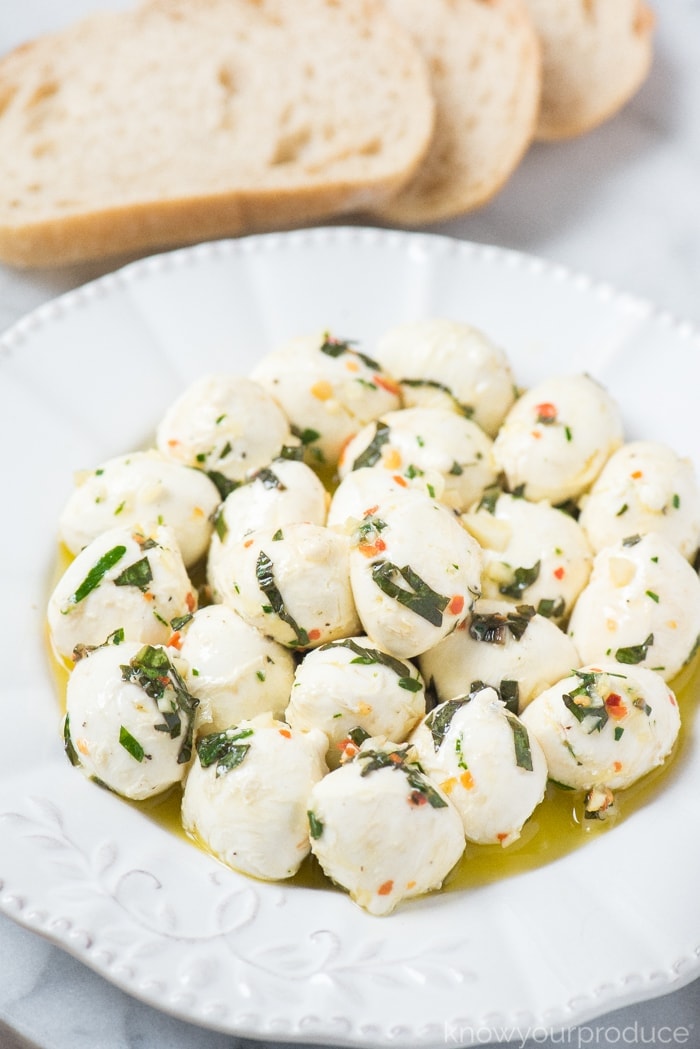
x=631, y=1035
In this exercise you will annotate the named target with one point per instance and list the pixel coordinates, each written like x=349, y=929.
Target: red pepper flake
x=286, y=733
x=248, y=542
x=456, y=605
x=417, y=798
x=614, y=706
x=372, y=510
x=175, y=640
x=559, y=573
x=636, y=475
x=672, y=699
x=314, y=635
x=617, y=766
x=190, y=601
x=502, y=836
x=400, y=480
x=385, y=888
x=386, y=384
x=546, y=412
x=536, y=434
x=370, y=549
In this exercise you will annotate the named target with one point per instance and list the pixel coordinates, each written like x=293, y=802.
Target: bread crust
x=190, y=119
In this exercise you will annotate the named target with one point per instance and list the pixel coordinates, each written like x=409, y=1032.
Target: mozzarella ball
x=381, y=830
x=641, y=606
x=426, y=446
x=644, y=487
x=604, y=725
x=492, y=769
x=414, y=572
x=225, y=425
x=327, y=389
x=557, y=437
x=292, y=584
x=279, y=494
x=447, y=364
x=246, y=795
x=532, y=553
x=142, y=488
x=349, y=685
x=127, y=580
x=511, y=648
x=129, y=718
x=233, y=670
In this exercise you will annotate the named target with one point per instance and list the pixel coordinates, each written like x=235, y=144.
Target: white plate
x=88, y=376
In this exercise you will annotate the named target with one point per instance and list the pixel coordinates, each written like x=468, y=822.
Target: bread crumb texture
x=484, y=59
x=187, y=119
x=595, y=54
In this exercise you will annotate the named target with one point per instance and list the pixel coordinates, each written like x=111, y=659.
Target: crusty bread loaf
x=485, y=67
x=596, y=54
x=184, y=120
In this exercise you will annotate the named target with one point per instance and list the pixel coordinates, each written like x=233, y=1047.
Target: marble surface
x=622, y=204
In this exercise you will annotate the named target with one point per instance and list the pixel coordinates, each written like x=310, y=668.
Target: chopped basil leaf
x=224, y=749
x=373, y=452
x=179, y=621
x=421, y=598
x=81, y=650
x=131, y=745
x=411, y=684
x=465, y=409
x=551, y=609
x=521, y=742
x=490, y=498
x=591, y=705
x=631, y=540
x=293, y=452
x=278, y=536
x=139, y=574
x=491, y=626
x=307, y=436
x=268, y=478
x=96, y=574
x=440, y=719
x=456, y=469
x=522, y=579
x=220, y=526
x=358, y=735
x=224, y=485
x=264, y=573
x=315, y=825
x=397, y=759
x=372, y=656
x=618, y=733
x=634, y=653
x=509, y=691
x=71, y=752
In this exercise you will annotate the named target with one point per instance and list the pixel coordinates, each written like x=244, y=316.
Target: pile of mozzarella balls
x=496, y=593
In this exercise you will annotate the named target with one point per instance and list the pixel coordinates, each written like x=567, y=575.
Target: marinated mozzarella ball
x=604, y=725
x=426, y=446
x=482, y=756
x=644, y=487
x=142, y=488
x=348, y=685
x=557, y=437
x=414, y=572
x=327, y=389
x=281, y=493
x=513, y=649
x=641, y=606
x=225, y=425
x=292, y=584
x=130, y=719
x=127, y=580
x=532, y=553
x=447, y=364
x=381, y=829
x=246, y=795
x=233, y=670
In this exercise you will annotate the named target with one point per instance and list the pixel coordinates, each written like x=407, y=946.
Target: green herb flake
x=568, y=434
x=456, y=469
x=422, y=791
x=139, y=575
x=265, y=575
x=618, y=733
x=268, y=479
x=489, y=499
x=315, y=825
x=358, y=735
x=373, y=452
x=421, y=598
x=440, y=719
x=634, y=654
x=178, y=622
x=71, y=752
x=223, y=484
x=509, y=691
x=131, y=745
x=260, y=675
x=676, y=501
x=120, y=507
x=623, y=510
x=551, y=609
x=306, y=436
x=631, y=540
x=278, y=536
x=652, y=595
x=522, y=579
x=372, y=656
x=96, y=574
x=521, y=743
x=224, y=749
x=159, y=679
x=220, y=526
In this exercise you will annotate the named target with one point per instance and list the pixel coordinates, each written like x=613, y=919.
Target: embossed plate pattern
x=88, y=376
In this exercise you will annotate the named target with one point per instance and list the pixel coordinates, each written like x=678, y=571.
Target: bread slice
x=596, y=54
x=485, y=67
x=184, y=120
